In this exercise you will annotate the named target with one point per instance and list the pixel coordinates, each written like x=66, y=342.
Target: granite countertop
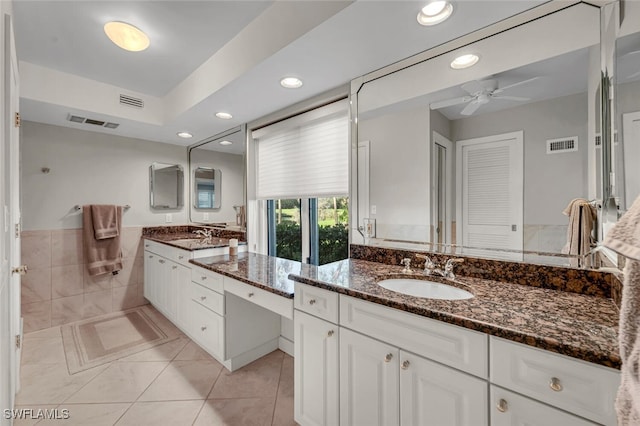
x=265, y=272
x=580, y=326
x=178, y=239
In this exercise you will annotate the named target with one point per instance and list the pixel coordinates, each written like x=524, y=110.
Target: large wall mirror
x=166, y=183
x=486, y=157
x=217, y=182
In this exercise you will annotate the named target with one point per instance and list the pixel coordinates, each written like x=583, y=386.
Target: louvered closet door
x=490, y=191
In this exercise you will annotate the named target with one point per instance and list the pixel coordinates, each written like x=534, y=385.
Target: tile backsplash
x=57, y=289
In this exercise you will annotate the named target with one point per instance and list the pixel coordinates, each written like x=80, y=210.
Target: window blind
x=306, y=156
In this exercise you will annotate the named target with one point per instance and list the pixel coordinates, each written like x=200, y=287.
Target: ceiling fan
x=480, y=93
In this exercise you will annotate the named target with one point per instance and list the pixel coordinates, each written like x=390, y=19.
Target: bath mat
x=96, y=341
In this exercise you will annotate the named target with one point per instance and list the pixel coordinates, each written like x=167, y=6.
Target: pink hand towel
x=103, y=256
x=105, y=221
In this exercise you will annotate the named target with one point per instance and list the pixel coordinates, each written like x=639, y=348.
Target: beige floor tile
x=236, y=412
x=121, y=382
x=43, y=351
x=283, y=413
x=36, y=316
x=51, y=383
x=24, y=417
x=183, y=380
x=47, y=333
x=166, y=413
x=165, y=352
x=193, y=352
x=89, y=414
x=66, y=309
x=256, y=380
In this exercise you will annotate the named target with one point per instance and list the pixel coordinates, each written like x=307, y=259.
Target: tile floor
x=172, y=384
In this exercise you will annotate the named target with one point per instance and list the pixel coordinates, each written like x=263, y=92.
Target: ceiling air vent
x=94, y=122
x=131, y=101
x=557, y=146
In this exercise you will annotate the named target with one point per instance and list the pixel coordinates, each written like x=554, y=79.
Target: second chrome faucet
x=431, y=268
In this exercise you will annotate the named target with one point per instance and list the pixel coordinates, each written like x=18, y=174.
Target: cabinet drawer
x=207, y=329
x=511, y=409
x=316, y=301
x=585, y=389
x=464, y=349
x=180, y=256
x=208, y=298
x=209, y=279
x=157, y=248
x=280, y=305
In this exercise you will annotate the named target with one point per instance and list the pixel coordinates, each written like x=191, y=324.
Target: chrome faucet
x=407, y=265
x=430, y=268
x=448, y=267
x=205, y=234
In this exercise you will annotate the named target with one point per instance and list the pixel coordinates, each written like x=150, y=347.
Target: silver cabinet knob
x=203, y=278
x=312, y=301
x=150, y=257
x=161, y=261
x=181, y=257
x=388, y=357
x=555, y=384
x=174, y=267
x=146, y=245
x=502, y=405
x=203, y=328
x=250, y=295
x=405, y=365
x=330, y=333
x=203, y=298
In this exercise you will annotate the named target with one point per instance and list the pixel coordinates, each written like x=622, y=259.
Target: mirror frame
x=610, y=22
x=153, y=187
x=217, y=179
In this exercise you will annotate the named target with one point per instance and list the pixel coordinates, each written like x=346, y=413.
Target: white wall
x=90, y=168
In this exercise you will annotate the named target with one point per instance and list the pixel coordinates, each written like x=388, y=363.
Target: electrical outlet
x=168, y=218
x=205, y=216
x=373, y=209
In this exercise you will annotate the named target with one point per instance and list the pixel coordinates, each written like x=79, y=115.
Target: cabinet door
x=315, y=371
x=512, y=409
x=161, y=280
x=207, y=329
x=183, y=296
x=369, y=381
x=432, y=394
x=150, y=274
x=177, y=275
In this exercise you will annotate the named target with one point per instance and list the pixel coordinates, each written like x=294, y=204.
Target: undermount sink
x=424, y=288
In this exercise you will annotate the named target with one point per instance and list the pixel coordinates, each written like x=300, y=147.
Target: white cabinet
x=369, y=381
x=162, y=279
x=316, y=371
x=207, y=329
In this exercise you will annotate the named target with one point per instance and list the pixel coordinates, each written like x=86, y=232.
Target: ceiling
x=209, y=56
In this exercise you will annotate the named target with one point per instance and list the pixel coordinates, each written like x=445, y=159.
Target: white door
x=316, y=371
x=489, y=188
x=442, y=189
x=434, y=395
x=369, y=381
x=631, y=149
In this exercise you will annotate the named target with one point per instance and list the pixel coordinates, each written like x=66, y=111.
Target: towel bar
x=79, y=207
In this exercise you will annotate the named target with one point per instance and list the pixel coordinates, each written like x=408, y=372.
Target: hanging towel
x=103, y=255
x=582, y=218
x=624, y=238
x=105, y=221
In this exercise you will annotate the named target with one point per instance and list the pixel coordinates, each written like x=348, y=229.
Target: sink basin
x=424, y=288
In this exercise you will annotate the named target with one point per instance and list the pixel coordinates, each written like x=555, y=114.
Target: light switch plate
x=373, y=209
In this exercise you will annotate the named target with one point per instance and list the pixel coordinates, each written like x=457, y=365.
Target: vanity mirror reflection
x=166, y=183
x=217, y=179
x=487, y=156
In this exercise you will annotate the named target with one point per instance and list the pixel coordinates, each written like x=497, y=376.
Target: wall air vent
x=92, y=121
x=131, y=101
x=557, y=146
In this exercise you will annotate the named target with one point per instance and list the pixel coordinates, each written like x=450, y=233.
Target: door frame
x=443, y=141
x=519, y=137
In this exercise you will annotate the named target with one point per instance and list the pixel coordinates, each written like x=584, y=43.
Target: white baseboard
x=251, y=355
x=285, y=345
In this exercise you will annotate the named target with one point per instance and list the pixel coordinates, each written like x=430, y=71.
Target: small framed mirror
x=207, y=188
x=166, y=186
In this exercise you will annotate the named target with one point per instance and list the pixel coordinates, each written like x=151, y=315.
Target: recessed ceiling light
x=464, y=61
x=435, y=12
x=224, y=115
x=126, y=36
x=225, y=142
x=291, y=82
x=185, y=135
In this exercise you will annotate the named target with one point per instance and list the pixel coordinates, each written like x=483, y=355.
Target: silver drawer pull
x=502, y=405
x=312, y=301
x=388, y=358
x=203, y=328
x=180, y=257
x=146, y=245
x=250, y=295
x=203, y=298
x=203, y=278
x=150, y=257
x=555, y=384
x=161, y=261
x=174, y=267
x=330, y=333
x=405, y=365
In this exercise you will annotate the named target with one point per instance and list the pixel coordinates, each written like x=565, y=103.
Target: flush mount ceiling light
x=291, y=82
x=464, y=61
x=224, y=115
x=185, y=135
x=225, y=142
x=435, y=12
x=126, y=36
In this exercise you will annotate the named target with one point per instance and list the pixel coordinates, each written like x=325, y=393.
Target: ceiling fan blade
x=509, y=86
x=511, y=98
x=450, y=102
x=471, y=108
x=634, y=75
x=635, y=52
x=473, y=87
